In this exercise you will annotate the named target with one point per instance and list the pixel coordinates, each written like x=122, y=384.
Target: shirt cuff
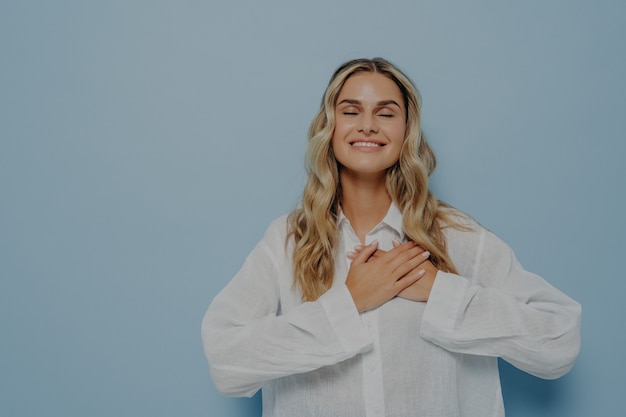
x=441, y=313
x=345, y=320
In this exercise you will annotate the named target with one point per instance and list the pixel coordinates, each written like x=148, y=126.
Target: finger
x=422, y=248
x=403, y=247
x=396, y=251
x=409, y=261
x=409, y=279
x=402, y=253
x=366, y=252
x=351, y=255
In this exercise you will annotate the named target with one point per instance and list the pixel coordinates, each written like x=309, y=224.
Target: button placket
x=373, y=390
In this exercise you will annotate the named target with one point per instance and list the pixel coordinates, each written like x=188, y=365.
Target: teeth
x=368, y=144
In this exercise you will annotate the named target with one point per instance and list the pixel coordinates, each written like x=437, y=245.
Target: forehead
x=370, y=86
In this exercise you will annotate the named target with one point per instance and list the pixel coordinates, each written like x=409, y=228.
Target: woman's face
x=370, y=124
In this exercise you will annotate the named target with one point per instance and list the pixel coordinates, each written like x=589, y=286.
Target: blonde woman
x=373, y=298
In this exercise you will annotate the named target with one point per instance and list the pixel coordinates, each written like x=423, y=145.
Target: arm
x=504, y=311
x=248, y=341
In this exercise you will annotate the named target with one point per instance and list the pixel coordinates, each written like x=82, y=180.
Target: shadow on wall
x=249, y=407
x=532, y=395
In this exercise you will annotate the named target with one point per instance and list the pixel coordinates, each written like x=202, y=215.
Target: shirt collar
x=393, y=219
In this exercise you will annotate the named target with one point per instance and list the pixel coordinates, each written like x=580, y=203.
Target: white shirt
x=404, y=358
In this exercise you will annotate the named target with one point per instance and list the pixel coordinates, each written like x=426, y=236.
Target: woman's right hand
x=375, y=277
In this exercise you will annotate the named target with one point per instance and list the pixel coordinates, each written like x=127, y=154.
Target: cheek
x=340, y=128
x=398, y=133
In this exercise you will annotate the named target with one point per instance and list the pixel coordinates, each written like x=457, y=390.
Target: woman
x=373, y=298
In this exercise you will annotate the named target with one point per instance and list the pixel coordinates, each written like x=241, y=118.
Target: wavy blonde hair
x=313, y=224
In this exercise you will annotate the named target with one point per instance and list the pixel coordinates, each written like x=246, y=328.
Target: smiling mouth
x=367, y=144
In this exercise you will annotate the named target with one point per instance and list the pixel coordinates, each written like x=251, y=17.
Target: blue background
x=145, y=146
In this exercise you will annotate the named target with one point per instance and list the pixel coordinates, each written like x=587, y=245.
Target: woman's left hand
x=420, y=290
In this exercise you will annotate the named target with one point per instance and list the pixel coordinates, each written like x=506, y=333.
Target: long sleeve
x=501, y=310
x=248, y=338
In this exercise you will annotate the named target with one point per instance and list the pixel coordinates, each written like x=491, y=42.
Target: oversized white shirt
x=403, y=358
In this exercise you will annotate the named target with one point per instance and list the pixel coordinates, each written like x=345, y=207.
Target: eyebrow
x=379, y=104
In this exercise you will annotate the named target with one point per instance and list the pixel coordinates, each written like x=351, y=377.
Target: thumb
x=366, y=252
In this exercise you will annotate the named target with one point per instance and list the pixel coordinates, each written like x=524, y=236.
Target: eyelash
x=348, y=113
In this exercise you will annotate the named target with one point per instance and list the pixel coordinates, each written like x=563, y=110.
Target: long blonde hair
x=313, y=225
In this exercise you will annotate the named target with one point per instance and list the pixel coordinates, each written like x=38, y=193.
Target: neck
x=364, y=201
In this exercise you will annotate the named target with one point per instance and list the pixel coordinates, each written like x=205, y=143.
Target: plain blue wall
x=145, y=146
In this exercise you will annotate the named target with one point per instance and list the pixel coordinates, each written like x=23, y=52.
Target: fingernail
x=421, y=272
x=350, y=254
x=425, y=254
x=358, y=247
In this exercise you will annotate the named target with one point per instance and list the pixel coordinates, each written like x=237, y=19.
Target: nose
x=368, y=125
